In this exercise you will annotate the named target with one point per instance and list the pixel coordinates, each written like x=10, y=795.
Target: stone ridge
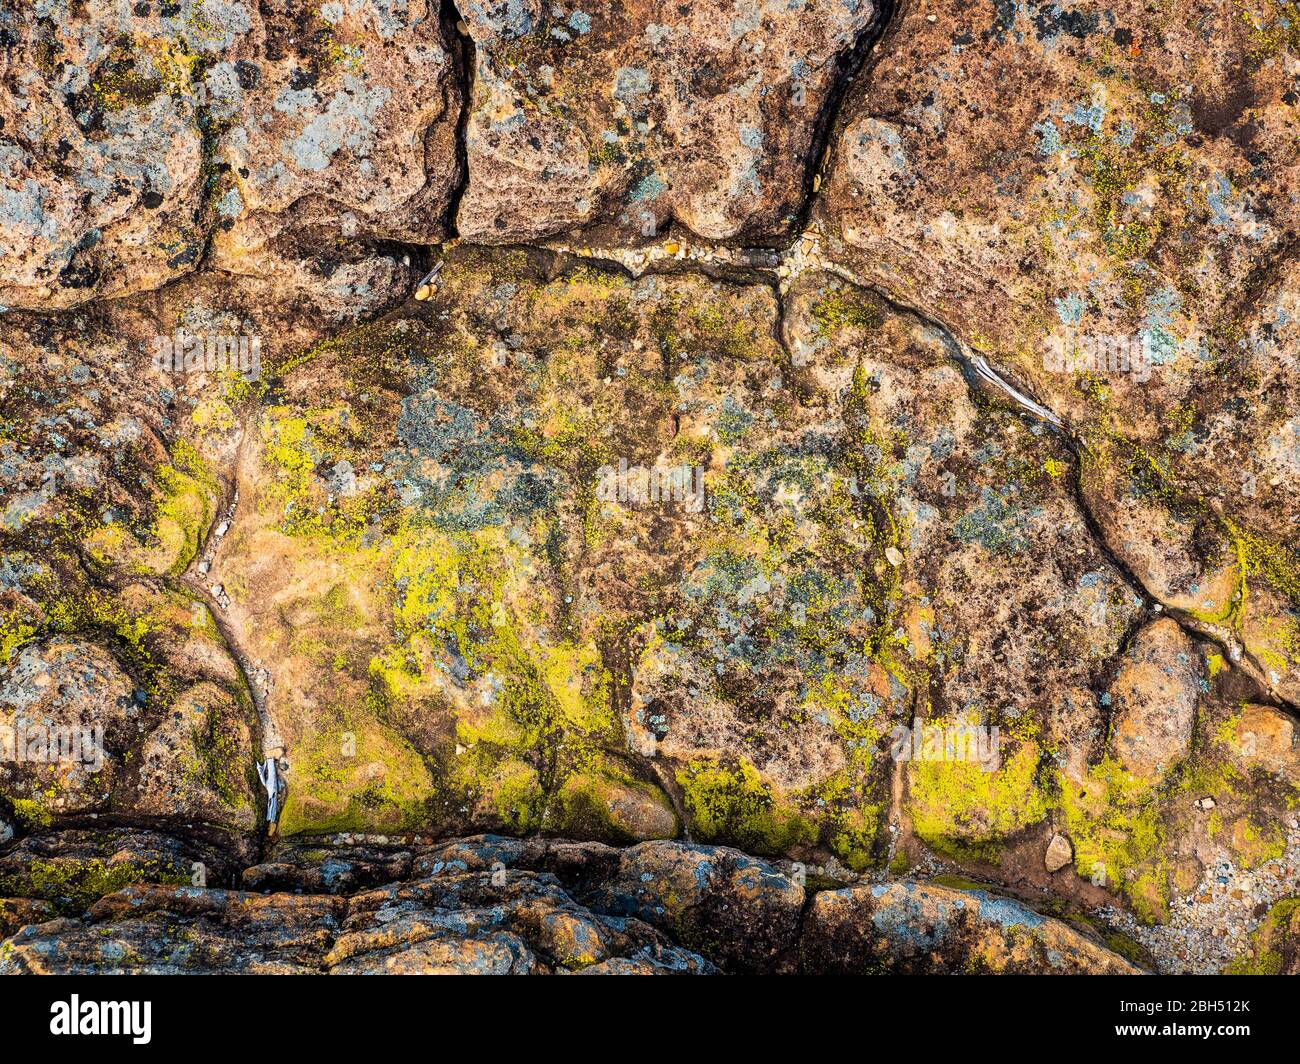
x=492, y=905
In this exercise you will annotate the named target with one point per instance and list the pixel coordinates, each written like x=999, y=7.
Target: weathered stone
x=1121, y=179
x=337, y=122
x=646, y=112
x=1060, y=854
x=133, y=140
x=102, y=152
x=659, y=907
x=927, y=500
x=1124, y=261
x=71, y=869
x=1154, y=697
x=16, y=913
x=426, y=403
x=67, y=717
x=1264, y=737
x=910, y=928
x=703, y=895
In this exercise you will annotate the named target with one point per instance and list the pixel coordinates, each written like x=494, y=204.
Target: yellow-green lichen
x=1279, y=929
x=969, y=807
x=732, y=803
x=1113, y=820
x=359, y=776
x=73, y=883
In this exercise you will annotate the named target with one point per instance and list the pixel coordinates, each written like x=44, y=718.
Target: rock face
x=73, y=697
x=645, y=112
x=914, y=928
x=102, y=155
x=1154, y=697
x=494, y=906
x=1014, y=169
x=336, y=122
x=758, y=461
x=132, y=139
x=1266, y=738
x=1074, y=194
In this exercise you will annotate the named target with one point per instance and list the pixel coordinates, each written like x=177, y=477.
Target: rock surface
x=912, y=928
x=136, y=140
x=641, y=113
x=1153, y=698
x=772, y=465
x=1060, y=854
x=495, y=906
